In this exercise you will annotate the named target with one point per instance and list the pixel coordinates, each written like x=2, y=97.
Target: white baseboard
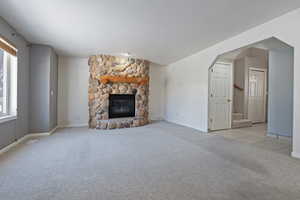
x=43, y=133
x=8, y=147
x=26, y=137
x=279, y=136
x=295, y=155
x=156, y=118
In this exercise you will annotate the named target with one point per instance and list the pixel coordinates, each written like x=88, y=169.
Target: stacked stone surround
x=103, y=65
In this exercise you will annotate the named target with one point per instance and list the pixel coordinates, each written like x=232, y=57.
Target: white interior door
x=220, y=96
x=257, y=95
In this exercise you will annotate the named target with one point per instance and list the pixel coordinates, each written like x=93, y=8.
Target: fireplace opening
x=121, y=105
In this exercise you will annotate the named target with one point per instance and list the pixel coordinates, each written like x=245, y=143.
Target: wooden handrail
x=237, y=87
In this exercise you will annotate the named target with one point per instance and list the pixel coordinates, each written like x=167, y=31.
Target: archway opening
x=251, y=94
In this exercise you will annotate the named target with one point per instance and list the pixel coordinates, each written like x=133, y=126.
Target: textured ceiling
x=162, y=31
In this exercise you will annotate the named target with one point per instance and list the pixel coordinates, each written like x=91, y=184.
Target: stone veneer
x=101, y=65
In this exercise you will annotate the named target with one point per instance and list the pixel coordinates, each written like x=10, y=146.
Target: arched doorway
x=257, y=93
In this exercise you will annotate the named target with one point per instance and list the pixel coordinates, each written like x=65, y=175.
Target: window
x=3, y=90
x=8, y=81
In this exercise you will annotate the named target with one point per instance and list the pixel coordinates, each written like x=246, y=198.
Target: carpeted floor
x=257, y=136
x=160, y=161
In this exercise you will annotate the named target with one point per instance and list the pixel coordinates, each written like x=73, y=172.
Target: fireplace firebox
x=121, y=105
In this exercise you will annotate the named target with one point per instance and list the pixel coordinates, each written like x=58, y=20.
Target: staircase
x=239, y=121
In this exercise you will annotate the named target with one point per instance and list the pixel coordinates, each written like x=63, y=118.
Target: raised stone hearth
x=117, y=75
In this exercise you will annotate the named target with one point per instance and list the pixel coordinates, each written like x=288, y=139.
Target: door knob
x=228, y=100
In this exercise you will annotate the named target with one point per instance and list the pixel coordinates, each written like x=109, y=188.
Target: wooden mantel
x=123, y=79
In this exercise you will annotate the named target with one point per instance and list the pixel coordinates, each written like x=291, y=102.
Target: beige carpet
x=160, y=161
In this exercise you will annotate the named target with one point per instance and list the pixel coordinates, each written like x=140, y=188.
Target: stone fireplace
x=118, y=92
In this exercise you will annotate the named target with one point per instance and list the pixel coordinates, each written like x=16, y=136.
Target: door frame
x=231, y=66
x=265, y=89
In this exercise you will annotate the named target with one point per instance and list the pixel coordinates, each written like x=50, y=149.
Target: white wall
x=187, y=92
x=157, y=92
x=280, y=120
x=261, y=57
x=187, y=79
x=73, y=76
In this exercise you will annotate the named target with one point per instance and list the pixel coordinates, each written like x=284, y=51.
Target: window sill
x=7, y=118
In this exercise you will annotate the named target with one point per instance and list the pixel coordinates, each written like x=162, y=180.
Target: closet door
x=220, y=96
x=257, y=95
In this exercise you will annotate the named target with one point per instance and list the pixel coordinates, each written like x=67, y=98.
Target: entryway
x=253, y=87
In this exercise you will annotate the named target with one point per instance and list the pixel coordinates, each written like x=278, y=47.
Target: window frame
x=10, y=80
x=9, y=111
x=6, y=84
